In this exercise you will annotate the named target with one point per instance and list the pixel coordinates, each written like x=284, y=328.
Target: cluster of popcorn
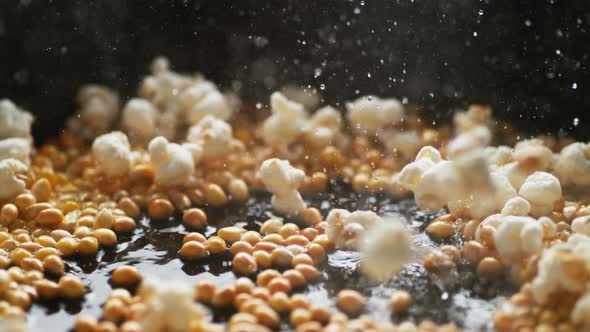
x=99, y=109
x=290, y=121
x=15, y=148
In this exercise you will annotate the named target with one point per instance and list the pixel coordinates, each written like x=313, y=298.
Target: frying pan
x=527, y=59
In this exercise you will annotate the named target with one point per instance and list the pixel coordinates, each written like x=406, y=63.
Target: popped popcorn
x=532, y=155
x=112, y=153
x=572, y=165
x=410, y=175
x=324, y=127
x=499, y=155
x=404, y=143
x=475, y=116
x=542, y=190
x=202, y=99
x=309, y=98
x=282, y=179
x=16, y=148
x=581, y=225
x=10, y=184
x=169, y=307
x=345, y=229
x=163, y=86
x=515, y=173
x=556, y=266
x=581, y=312
x=516, y=206
x=429, y=194
x=369, y=115
x=174, y=164
x=14, y=122
x=14, y=323
x=286, y=123
x=213, y=135
x=140, y=119
x=385, y=247
x=473, y=139
x=518, y=237
x=99, y=107
x=482, y=203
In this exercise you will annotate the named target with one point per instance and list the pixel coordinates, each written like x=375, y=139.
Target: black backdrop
x=528, y=59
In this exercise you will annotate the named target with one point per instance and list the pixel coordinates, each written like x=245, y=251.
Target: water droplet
x=528, y=23
x=574, y=86
x=576, y=122
x=258, y=106
x=480, y=12
x=474, y=34
x=357, y=11
x=369, y=75
x=558, y=52
x=322, y=86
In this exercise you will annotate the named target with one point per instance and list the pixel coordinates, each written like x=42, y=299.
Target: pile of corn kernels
x=182, y=145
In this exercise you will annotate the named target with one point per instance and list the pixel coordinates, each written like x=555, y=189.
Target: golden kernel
x=350, y=301
x=126, y=276
x=400, y=301
x=194, y=218
x=71, y=287
x=216, y=245
x=193, y=250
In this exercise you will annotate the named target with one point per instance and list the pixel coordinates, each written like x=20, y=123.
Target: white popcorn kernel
x=581, y=225
x=213, y=135
x=483, y=203
x=345, y=229
x=309, y=98
x=10, y=185
x=368, y=115
x=139, y=119
x=428, y=152
x=98, y=111
x=410, y=175
x=112, y=153
x=515, y=174
x=174, y=164
x=581, y=313
x=518, y=237
x=499, y=155
x=169, y=307
x=532, y=155
x=438, y=185
x=164, y=85
x=16, y=148
x=516, y=206
x=386, y=247
x=554, y=265
x=167, y=124
x=475, y=116
x=14, y=122
x=283, y=180
x=474, y=171
x=478, y=137
x=324, y=127
x=549, y=227
x=542, y=190
x=403, y=143
x=286, y=123
x=202, y=99
x=572, y=165
x=14, y=323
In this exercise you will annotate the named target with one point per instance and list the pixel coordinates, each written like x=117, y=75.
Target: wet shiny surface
x=462, y=297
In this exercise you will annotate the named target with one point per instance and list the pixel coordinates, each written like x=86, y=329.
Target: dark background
x=528, y=59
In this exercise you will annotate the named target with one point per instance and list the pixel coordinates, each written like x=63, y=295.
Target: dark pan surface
x=462, y=298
